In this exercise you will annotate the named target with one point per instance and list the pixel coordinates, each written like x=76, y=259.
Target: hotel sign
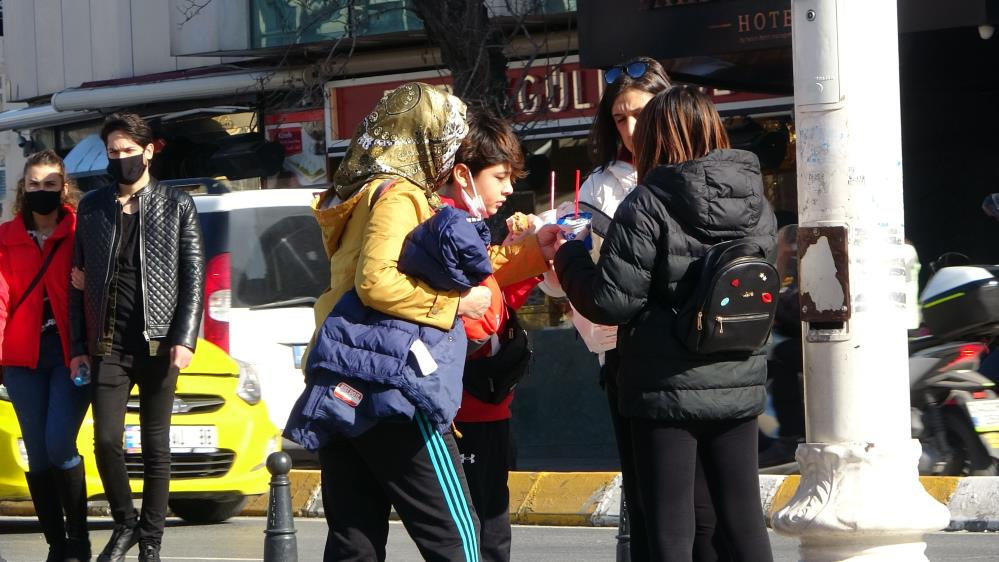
x=656, y=4
x=669, y=29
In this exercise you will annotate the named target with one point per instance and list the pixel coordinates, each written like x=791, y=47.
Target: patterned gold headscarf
x=413, y=132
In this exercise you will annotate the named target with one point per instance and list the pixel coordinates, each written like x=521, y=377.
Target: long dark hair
x=605, y=142
x=677, y=125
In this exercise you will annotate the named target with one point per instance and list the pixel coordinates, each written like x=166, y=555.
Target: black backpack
x=733, y=301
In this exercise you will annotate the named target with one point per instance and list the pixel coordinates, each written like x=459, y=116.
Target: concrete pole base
x=860, y=501
x=867, y=549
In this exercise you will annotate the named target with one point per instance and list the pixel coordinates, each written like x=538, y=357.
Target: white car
x=265, y=266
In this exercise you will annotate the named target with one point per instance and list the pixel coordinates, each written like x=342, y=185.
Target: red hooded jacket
x=20, y=259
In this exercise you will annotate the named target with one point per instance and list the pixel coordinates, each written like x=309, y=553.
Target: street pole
x=280, y=544
x=623, y=552
x=859, y=495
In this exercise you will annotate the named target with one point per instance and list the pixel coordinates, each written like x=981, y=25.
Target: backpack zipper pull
x=700, y=315
x=721, y=324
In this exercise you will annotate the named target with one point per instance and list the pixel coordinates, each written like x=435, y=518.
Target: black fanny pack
x=492, y=379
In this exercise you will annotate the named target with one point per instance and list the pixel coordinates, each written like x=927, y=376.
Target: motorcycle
x=955, y=409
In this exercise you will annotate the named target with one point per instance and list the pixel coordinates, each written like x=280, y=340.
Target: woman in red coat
x=36, y=249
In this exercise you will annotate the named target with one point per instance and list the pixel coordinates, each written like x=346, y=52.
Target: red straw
x=553, y=189
x=577, y=193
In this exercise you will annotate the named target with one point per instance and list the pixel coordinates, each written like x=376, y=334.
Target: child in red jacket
x=485, y=166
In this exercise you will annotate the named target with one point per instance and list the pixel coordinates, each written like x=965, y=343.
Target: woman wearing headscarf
x=401, y=153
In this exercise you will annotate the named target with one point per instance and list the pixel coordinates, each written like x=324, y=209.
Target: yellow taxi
x=220, y=437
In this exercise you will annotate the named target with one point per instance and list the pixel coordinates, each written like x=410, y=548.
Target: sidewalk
x=593, y=499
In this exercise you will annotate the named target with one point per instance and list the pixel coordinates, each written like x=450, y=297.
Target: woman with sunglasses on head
x=630, y=86
x=688, y=413
x=36, y=250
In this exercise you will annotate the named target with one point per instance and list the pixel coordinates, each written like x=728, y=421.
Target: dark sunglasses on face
x=636, y=70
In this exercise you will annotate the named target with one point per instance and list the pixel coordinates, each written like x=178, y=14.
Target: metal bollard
x=279, y=538
x=623, y=532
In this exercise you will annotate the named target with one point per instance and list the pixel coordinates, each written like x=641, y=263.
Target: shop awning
x=41, y=116
x=88, y=158
x=200, y=87
x=80, y=104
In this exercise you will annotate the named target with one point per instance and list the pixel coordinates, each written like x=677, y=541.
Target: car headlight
x=248, y=387
x=22, y=450
x=272, y=447
x=4, y=395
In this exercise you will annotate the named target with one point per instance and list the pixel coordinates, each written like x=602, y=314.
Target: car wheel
x=207, y=510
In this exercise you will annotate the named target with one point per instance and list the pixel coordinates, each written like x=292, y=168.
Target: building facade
x=223, y=79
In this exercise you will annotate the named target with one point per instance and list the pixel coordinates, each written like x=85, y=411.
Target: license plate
x=183, y=439
x=984, y=414
x=297, y=352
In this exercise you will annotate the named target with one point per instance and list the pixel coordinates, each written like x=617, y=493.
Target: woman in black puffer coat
x=693, y=192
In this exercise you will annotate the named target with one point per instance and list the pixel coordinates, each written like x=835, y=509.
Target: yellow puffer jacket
x=363, y=242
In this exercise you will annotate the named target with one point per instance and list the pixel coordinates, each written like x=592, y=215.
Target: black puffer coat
x=171, y=261
x=660, y=229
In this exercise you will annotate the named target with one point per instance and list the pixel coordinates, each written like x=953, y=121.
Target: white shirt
x=605, y=188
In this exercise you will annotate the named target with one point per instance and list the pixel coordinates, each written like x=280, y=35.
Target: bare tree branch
x=471, y=46
x=470, y=39
x=191, y=8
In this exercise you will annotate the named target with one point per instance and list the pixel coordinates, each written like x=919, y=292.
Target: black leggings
x=709, y=542
x=638, y=545
x=666, y=462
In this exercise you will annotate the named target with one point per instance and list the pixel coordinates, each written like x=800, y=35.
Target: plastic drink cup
x=577, y=227
x=547, y=217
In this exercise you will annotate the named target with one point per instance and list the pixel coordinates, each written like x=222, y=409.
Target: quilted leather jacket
x=171, y=265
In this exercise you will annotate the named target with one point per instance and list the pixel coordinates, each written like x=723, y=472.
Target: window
x=277, y=253
x=291, y=22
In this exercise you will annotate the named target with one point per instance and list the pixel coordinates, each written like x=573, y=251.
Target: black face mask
x=126, y=170
x=42, y=202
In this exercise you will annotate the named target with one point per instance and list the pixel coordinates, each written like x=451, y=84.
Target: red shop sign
x=546, y=92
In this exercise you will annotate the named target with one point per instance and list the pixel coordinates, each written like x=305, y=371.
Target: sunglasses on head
x=635, y=69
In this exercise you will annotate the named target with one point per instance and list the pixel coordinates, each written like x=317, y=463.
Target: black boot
x=45, y=496
x=73, y=493
x=149, y=551
x=123, y=538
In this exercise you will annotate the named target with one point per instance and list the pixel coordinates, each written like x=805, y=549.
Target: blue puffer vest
x=367, y=367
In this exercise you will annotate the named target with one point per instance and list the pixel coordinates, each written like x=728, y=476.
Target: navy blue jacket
x=363, y=368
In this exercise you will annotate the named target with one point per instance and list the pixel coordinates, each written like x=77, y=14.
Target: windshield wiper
x=298, y=301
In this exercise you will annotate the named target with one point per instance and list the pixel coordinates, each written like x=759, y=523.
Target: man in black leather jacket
x=140, y=249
